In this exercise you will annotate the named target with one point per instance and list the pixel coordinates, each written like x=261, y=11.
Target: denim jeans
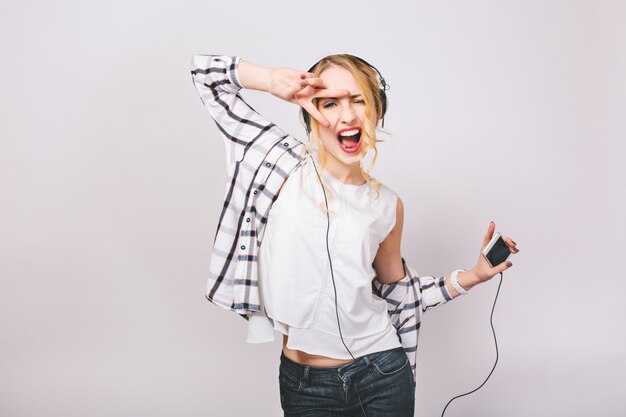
x=384, y=381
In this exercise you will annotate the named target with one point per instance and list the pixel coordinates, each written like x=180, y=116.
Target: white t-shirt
x=296, y=285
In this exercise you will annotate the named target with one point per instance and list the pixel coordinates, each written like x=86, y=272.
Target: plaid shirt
x=259, y=158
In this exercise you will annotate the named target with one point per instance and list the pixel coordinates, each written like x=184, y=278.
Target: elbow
x=391, y=277
x=391, y=271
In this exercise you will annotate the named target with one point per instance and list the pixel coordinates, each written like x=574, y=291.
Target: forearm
x=218, y=81
x=466, y=279
x=254, y=77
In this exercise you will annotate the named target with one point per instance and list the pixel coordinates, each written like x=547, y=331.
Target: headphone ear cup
x=383, y=102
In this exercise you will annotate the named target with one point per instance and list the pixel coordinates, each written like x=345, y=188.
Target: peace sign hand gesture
x=301, y=88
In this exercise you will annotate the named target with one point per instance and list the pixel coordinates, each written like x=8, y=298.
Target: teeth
x=349, y=132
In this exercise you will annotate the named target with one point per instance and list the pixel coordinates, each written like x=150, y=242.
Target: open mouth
x=350, y=139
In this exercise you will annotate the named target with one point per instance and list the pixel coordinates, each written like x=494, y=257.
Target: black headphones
x=381, y=92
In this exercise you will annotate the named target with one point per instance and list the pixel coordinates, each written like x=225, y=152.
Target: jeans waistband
x=300, y=370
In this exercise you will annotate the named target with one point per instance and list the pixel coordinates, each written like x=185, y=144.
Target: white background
x=112, y=177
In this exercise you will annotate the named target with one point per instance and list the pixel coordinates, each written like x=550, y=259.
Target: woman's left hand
x=483, y=271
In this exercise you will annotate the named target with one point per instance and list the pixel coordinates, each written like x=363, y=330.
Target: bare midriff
x=304, y=358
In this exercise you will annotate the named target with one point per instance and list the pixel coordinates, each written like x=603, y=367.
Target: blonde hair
x=367, y=80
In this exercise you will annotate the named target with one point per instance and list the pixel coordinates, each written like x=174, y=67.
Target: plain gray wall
x=112, y=176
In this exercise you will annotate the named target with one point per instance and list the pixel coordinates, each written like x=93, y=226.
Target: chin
x=354, y=159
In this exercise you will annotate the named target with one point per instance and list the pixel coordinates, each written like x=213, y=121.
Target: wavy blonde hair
x=367, y=80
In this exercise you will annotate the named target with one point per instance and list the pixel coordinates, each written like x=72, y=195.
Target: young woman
x=308, y=243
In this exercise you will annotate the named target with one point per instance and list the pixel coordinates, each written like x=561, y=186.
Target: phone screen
x=498, y=253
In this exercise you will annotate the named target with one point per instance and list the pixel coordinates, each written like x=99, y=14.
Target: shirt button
x=243, y=247
x=256, y=191
x=286, y=144
x=248, y=219
x=267, y=164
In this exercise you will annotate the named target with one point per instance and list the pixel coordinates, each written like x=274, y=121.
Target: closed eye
x=332, y=103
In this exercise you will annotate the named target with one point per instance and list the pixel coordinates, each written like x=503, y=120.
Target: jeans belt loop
x=367, y=360
x=306, y=375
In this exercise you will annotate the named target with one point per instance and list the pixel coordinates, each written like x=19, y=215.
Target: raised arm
x=291, y=85
x=218, y=79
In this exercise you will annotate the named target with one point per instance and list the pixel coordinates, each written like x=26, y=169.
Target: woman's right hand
x=301, y=88
x=298, y=87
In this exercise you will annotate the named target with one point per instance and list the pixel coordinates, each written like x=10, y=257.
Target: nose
x=347, y=113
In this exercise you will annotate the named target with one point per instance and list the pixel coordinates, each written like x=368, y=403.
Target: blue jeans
x=384, y=381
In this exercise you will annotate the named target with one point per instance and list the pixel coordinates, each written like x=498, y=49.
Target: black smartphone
x=496, y=250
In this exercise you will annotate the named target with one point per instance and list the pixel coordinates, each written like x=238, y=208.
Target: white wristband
x=455, y=283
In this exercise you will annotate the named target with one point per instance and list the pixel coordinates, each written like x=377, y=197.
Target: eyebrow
x=336, y=98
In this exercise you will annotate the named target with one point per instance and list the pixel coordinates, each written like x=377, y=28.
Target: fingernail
x=509, y=263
